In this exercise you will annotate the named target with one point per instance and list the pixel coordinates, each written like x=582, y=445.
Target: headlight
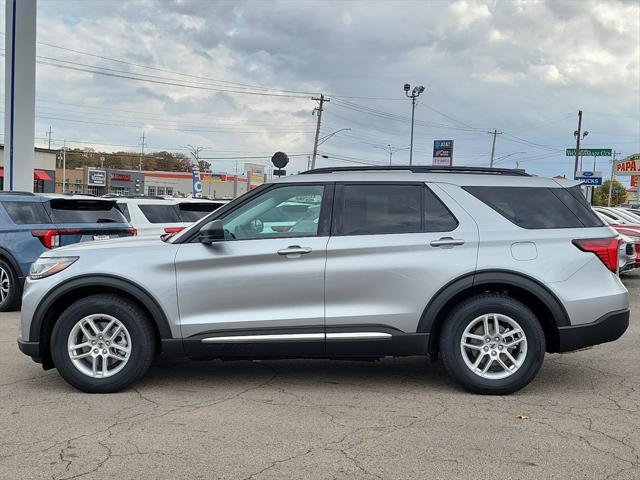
x=47, y=266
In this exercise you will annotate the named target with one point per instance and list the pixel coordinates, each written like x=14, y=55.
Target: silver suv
x=485, y=268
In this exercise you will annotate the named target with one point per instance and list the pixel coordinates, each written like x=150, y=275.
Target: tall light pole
x=390, y=149
x=415, y=93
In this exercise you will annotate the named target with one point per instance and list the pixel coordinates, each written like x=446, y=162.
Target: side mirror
x=211, y=232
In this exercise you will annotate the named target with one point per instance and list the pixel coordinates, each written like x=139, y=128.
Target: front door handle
x=294, y=250
x=447, y=242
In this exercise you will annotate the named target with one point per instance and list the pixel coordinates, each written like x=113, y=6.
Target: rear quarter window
x=85, y=211
x=192, y=212
x=160, y=213
x=539, y=207
x=26, y=213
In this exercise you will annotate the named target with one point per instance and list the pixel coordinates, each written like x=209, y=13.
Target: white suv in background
x=155, y=216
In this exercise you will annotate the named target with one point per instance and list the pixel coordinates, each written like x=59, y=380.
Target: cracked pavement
x=393, y=419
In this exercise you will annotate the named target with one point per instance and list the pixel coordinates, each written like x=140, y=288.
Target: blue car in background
x=31, y=224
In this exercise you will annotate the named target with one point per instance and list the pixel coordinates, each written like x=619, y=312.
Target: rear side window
x=85, y=211
x=192, y=212
x=381, y=209
x=160, y=213
x=124, y=208
x=538, y=207
x=26, y=213
x=437, y=217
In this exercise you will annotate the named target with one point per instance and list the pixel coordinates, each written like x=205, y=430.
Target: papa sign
x=628, y=166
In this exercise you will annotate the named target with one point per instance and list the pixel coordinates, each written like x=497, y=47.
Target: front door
x=261, y=290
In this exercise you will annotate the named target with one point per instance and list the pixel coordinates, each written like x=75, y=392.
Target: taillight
x=605, y=248
x=51, y=238
x=173, y=229
x=132, y=231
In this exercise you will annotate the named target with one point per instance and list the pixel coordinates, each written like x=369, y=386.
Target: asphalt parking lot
x=394, y=419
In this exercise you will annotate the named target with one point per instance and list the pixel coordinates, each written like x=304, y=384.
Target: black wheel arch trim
x=139, y=293
x=6, y=254
x=488, y=277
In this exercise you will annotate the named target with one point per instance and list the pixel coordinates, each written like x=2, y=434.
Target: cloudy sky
x=238, y=78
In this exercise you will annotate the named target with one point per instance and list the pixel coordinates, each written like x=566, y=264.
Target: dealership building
x=101, y=181
x=44, y=169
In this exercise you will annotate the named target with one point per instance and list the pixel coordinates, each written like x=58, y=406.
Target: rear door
x=81, y=220
x=393, y=246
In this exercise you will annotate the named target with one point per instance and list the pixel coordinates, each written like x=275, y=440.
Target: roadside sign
x=628, y=166
x=589, y=178
x=279, y=172
x=590, y=152
x=634, y=180
x=442, y=153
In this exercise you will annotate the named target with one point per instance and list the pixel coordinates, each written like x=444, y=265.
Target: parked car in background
x=487, y=269
x=155, y=216
x=627, y=254
x=31, y=224
x=629, y=233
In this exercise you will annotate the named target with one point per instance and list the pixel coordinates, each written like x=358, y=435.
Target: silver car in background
x=487, y=269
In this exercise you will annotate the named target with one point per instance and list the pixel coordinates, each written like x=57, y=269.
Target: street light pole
x=415, y=93
x=391, y=150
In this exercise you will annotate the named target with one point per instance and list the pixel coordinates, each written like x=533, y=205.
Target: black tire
x=463, y=315
x=134, y=320
x=10, y=280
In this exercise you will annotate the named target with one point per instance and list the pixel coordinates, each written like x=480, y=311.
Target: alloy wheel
x=493, y=346
x=99, y=345
x=5, y=284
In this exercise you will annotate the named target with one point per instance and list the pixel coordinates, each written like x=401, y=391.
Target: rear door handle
x=294, y=250
x=447, y=242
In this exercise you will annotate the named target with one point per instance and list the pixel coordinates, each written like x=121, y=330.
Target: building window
x=170, y=191
x=161, y=191
x=38, y=186
x=151, y=191
x=122, y=191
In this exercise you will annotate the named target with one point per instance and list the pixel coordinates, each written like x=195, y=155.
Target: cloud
x=522, y=67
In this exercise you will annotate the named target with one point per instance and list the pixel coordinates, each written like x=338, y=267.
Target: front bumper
x=30, y=348
x=607, y=328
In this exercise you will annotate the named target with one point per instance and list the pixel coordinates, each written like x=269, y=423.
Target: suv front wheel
x=492, y=344
x=102, y=344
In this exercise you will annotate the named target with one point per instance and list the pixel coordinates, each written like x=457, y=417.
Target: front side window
x=373, y=209
x=288, y=211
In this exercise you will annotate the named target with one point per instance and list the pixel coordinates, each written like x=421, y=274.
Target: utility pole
x=415, y=93
x=493, y=145
x=48, y=134
x=613, y=174
x=577, y=135
x=317, y=111
x=141, y=152
x=64, y=165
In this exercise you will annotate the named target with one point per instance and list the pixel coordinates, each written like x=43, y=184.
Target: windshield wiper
x=105, y=220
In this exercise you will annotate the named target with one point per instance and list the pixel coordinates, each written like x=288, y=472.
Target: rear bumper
x=607, y=328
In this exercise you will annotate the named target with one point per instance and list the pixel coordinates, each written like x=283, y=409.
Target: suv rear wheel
x=10, y=289
x=492, y=344
x=102, y=344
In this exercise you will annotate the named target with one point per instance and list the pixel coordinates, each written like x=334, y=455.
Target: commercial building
x=44, y=169
x=100, y=181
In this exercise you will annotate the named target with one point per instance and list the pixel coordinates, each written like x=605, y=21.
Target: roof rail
x=423, y=169
x=16, y=192
x=132, y=196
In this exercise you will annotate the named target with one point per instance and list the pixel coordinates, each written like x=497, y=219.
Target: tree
x=601, y=194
